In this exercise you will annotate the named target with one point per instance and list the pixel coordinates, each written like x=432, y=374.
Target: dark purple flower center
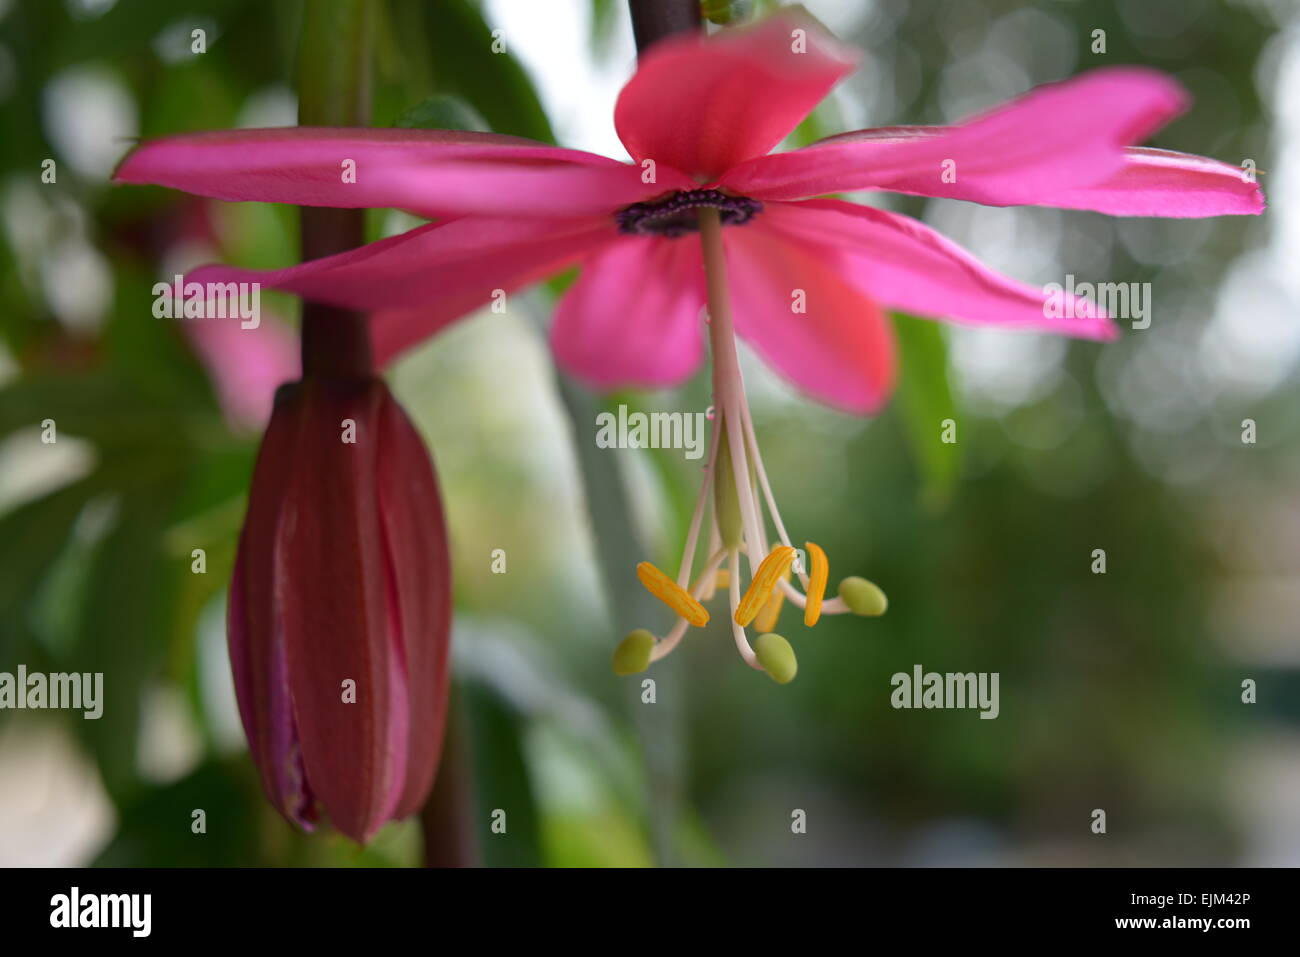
x=678, y=213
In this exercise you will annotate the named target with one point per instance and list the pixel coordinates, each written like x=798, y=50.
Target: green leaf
x=34, y=537
x=159, y=827
x=126, y=615
x=924, y=401
x=603, y=15
x=460, y=49
x=96, y=407
x=443, y=112
x=501, y=779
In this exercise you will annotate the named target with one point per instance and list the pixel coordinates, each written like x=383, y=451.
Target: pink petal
x=904, y=264
x=419, y=281
x=257, y=648
x=435, y=173
x=633, y=317
x=702, y=105
x=1032, y=150
x=415, y=537
x=839, y=349
x=1164, y=183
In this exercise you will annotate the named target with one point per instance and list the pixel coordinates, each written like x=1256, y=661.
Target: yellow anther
x=770, y=613
x=772, y=570
x=818, y=571
x=672, y=594
x=723, y=579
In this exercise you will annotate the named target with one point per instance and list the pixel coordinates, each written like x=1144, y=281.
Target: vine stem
x=447, y=817
x=334, y=90
x=652, y=20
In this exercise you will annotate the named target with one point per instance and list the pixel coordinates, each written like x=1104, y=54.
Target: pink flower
x=705, y=214
x=699, y=118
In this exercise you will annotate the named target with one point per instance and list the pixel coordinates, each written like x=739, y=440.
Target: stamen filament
x=692, y=536
x=674, y=636
x=715, y=541
x=766, y=486
x=755, y=536
x=737, y=631
x=797, y=597
x=830, y=606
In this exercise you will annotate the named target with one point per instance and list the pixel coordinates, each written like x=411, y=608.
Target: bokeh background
x=1119, y=691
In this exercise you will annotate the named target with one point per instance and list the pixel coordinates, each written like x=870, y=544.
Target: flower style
x=705, y=213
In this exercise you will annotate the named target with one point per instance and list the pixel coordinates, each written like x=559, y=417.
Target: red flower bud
x=339, y=616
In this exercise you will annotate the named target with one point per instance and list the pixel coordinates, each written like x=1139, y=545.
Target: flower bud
x=339, y=614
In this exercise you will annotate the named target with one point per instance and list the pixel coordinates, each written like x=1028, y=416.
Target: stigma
x=678, y=213
x=734, y=508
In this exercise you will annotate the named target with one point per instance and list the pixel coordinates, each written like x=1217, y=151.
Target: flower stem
x=334, y=90
x=652, y=20
x=447, y=817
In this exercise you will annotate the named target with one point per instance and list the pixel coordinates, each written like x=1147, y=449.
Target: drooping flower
x=339, y=610
x=705, y=213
